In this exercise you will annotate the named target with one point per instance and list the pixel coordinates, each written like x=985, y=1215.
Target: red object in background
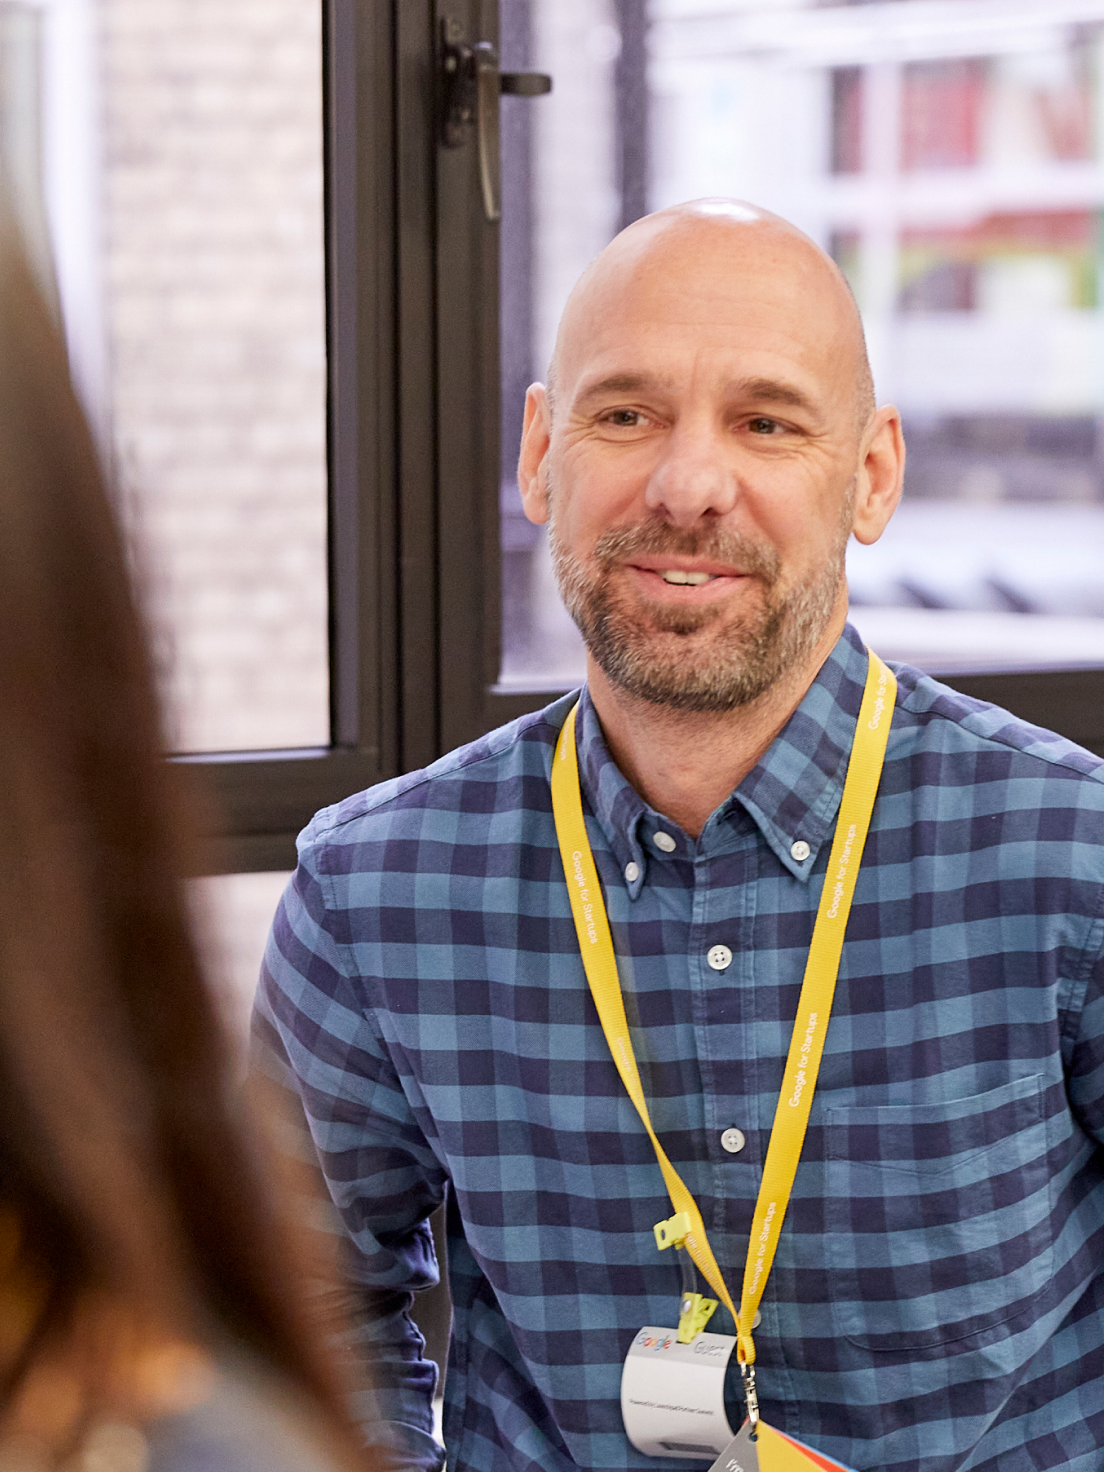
x=1067, y=121
x=1028, y=230
x=847, y=120
x=941, y=105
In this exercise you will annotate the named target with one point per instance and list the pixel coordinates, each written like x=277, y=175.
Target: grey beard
x=746, y=655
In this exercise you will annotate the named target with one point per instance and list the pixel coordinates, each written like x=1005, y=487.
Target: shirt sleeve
x=313, y=1035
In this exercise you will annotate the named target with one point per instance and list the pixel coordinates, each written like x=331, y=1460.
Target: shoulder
x=477, y=793
x=935, y=720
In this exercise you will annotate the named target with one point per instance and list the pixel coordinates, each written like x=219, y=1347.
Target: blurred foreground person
x=145, y=1315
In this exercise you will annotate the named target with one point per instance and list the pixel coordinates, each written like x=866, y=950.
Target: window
x=951, y=162
x=304, y=342
x=165, y=161
x=213, y=304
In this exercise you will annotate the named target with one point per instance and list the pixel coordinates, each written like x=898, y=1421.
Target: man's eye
x=764, y=426
x=625, y=418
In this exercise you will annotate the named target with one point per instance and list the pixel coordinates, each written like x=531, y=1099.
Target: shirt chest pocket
x=938, y=1218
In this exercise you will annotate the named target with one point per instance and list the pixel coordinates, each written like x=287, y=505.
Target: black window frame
x=414, y=451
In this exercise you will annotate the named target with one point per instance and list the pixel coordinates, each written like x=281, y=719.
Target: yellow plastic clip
x=672, y=1232
x=694, y=1313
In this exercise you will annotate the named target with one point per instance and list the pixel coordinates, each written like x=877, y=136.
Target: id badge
x=672, y=1395
x=771, y=1451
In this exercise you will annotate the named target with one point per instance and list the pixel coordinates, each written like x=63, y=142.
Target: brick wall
x=214, y=293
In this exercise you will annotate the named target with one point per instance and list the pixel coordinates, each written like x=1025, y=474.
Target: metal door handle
x=487, y=130
x=471, y=87
x=524, y=84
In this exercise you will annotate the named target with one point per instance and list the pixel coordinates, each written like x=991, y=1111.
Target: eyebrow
x=621, y=383
x=762, y=390
x=772, y=391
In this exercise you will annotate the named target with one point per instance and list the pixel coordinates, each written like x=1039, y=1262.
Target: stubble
x=697, y=659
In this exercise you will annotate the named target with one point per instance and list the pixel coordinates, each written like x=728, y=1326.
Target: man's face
x=704, y=446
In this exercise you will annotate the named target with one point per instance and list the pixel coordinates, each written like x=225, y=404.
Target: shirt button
x=665, y=842
x=719, y=957
x=733, y=1141
x=632, y=873
x=800, y=850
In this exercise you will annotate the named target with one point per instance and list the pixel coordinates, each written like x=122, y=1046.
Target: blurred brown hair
x=121, y=1158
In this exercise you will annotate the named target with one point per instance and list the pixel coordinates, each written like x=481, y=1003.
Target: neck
x=684, y=764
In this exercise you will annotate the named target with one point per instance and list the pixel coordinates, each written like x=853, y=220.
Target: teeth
x=695, y=579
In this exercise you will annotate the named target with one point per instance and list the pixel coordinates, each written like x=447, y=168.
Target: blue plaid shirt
x=936, y=1299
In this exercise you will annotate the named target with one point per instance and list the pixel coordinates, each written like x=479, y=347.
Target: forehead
x=709, y=310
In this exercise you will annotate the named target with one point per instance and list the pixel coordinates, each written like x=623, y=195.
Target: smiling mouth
x=686, y=579
x=690, y=578
x=699, y=564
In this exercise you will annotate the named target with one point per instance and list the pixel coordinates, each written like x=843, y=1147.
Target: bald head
x=736, y=268
x=713, y=447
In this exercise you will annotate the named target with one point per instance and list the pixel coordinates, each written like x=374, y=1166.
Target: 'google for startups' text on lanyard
x=686, y=1228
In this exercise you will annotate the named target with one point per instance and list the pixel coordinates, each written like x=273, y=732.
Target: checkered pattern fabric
x=936, y=1299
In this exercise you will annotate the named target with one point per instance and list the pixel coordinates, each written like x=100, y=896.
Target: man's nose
x=694, y=478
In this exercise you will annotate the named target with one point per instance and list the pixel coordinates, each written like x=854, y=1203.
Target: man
x=707, y=442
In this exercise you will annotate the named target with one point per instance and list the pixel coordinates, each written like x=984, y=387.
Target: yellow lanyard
x=814, y=1007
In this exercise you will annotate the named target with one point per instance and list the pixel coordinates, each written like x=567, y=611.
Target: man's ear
x=881, y=475
x=536, y=435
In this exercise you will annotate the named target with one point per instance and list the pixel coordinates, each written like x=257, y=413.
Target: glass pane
x=183, y=182
x=954, y=171
x=233, y=914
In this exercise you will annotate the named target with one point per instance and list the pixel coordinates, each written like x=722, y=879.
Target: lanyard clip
x=750, y=1395
x=673, y=1232
x=694, y=1313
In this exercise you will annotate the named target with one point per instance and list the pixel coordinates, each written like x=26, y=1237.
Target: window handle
x=524, y=84
x=471, y=85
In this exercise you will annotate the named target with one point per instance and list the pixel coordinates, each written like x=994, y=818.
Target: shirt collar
x=794, y=792
x=616, y=805
x=792, y=795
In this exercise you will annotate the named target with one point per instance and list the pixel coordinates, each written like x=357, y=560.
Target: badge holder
x=672, y=1394
x=672, y=1385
